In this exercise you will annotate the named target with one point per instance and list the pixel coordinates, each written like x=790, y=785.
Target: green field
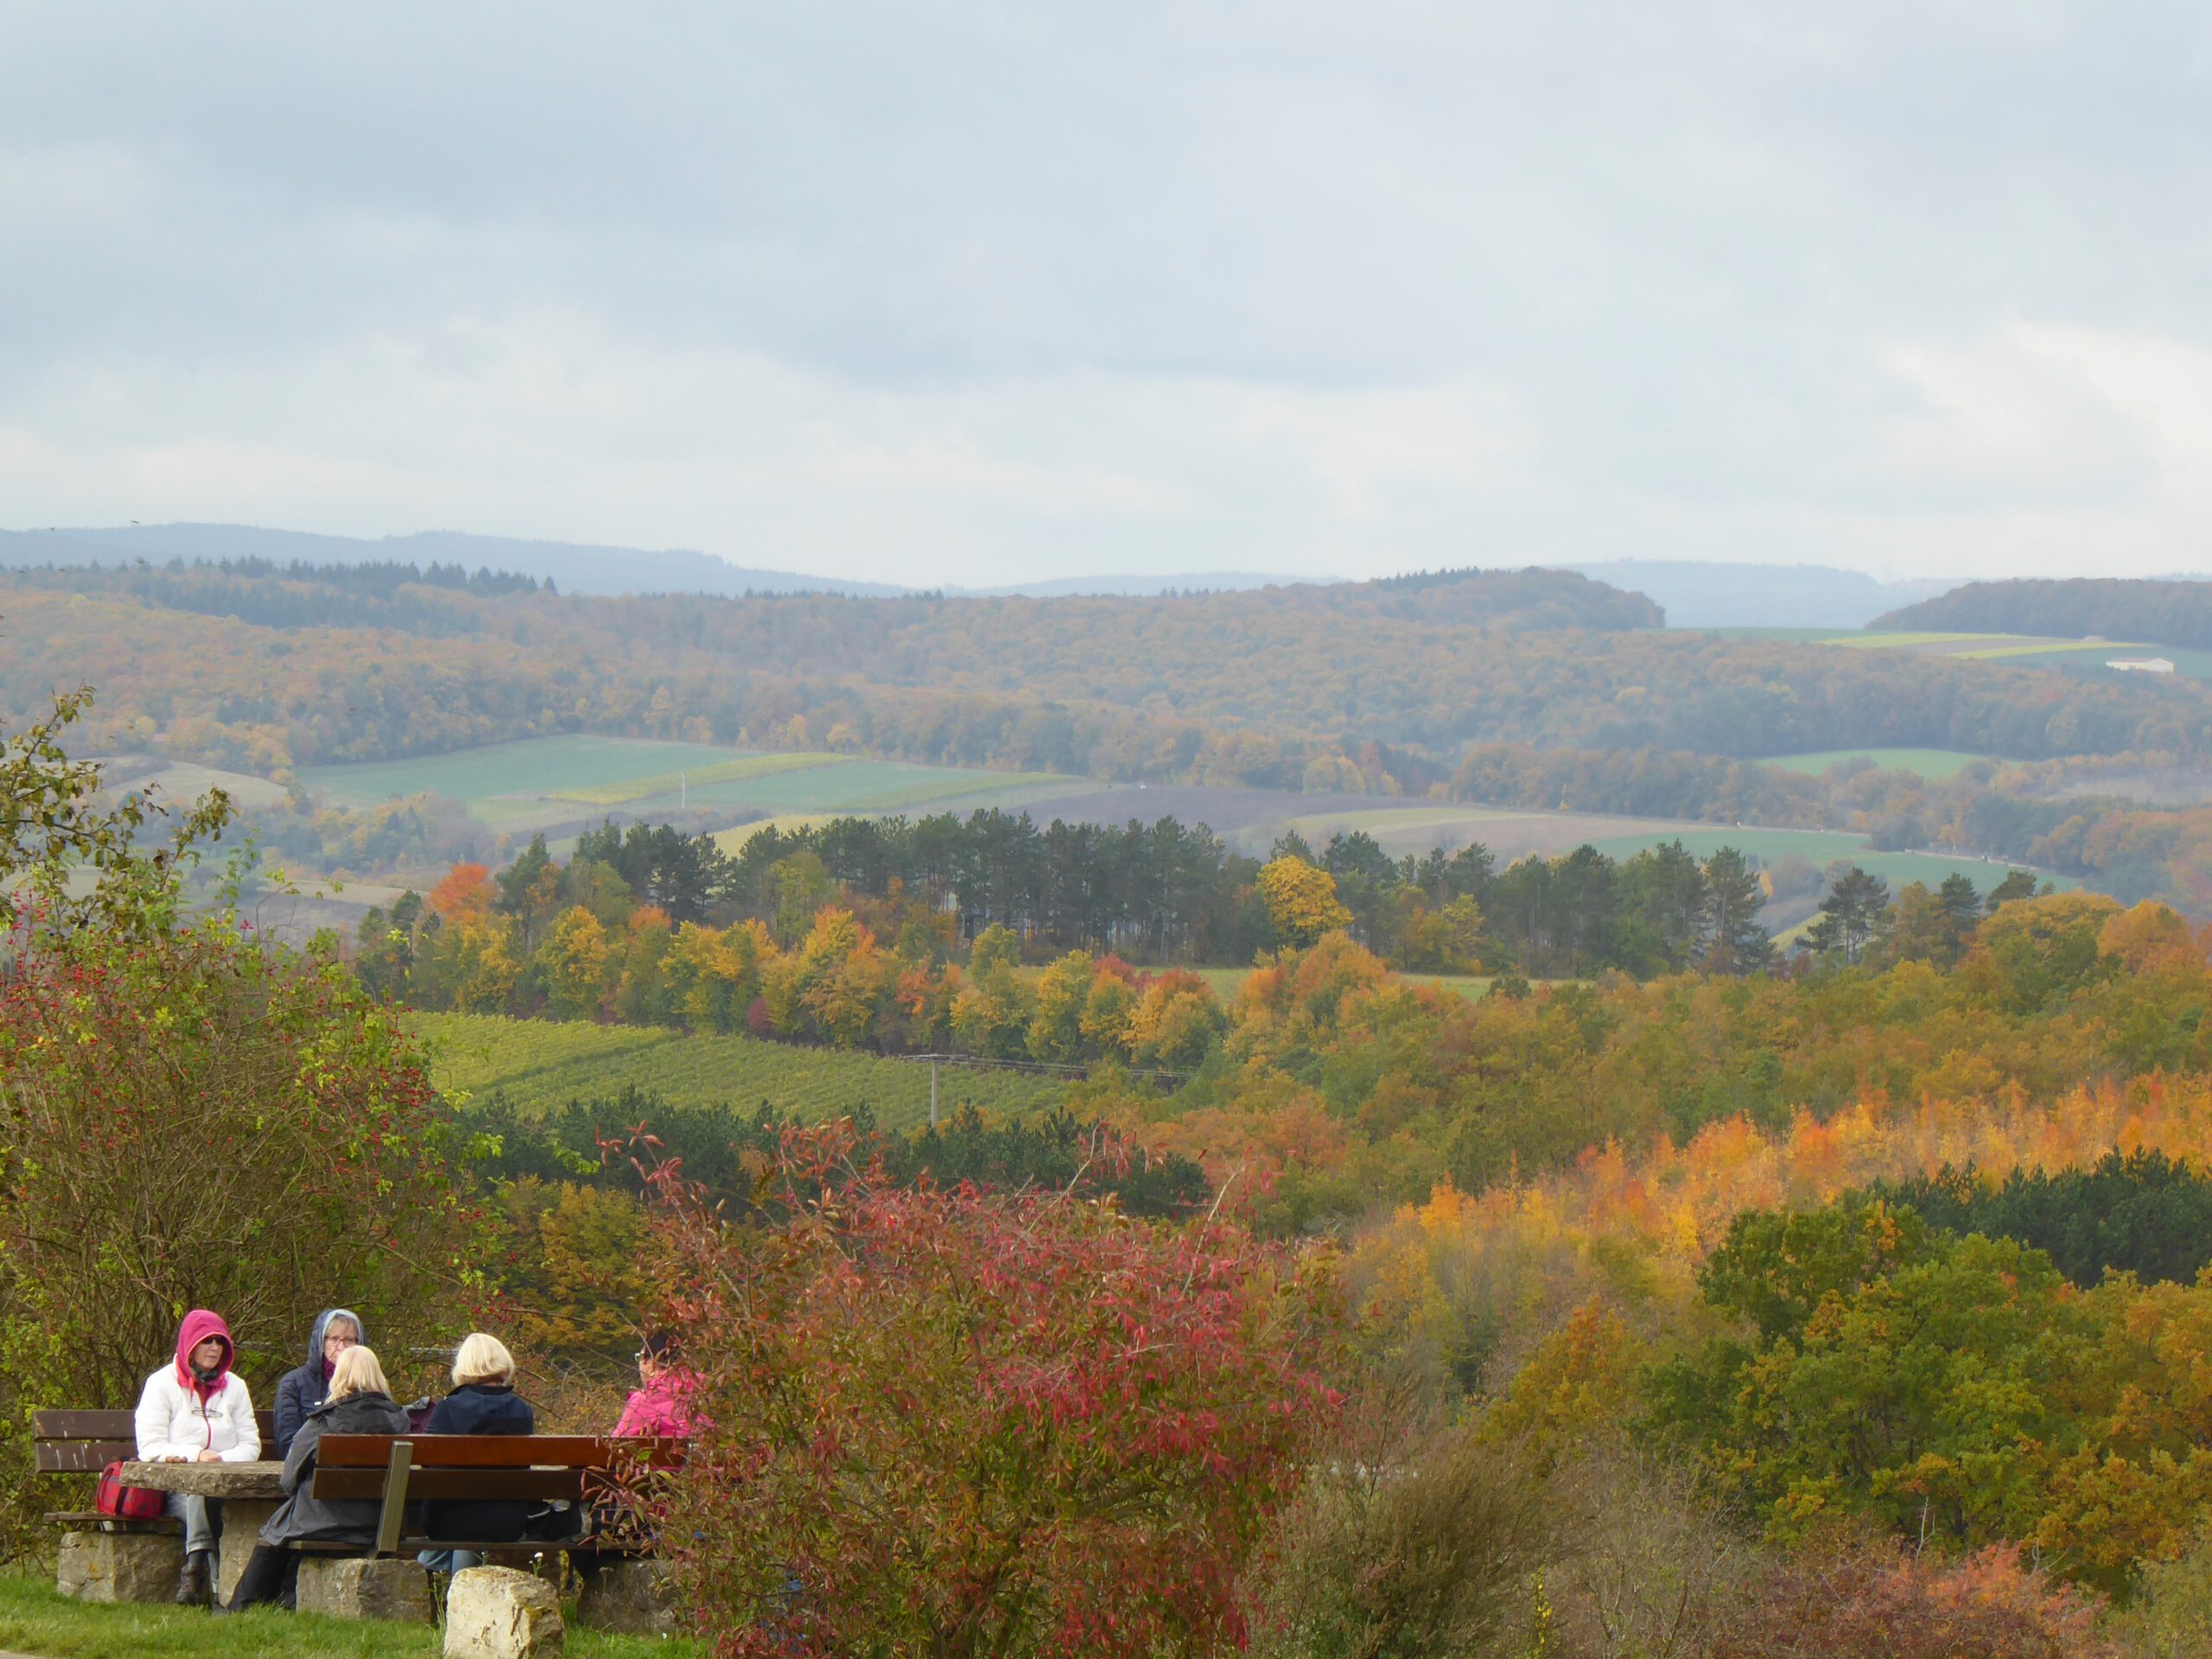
x=1890, y=641
x=538, y=1064
x=1822, y=847
x=544, y=781
x=2048, y=648
x=534, y=766
x=1928, y=763
x=671, y=782
x=2188, y=664
x=1760, y=631
x=854, y=786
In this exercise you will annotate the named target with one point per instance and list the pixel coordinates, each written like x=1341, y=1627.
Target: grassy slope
x=540, y=1064
x=532, y=765
x=35, y=1618
x=550, y=779
x=677, y=783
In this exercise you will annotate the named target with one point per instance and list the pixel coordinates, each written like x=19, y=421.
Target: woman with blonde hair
x=483, y=1401
x=360, y=1402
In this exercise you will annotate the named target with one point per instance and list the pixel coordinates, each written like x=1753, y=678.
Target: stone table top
x=259, y=1482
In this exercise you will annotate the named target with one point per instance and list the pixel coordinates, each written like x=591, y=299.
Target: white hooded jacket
x=175, y=1420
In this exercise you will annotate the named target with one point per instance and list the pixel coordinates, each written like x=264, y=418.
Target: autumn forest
x=1477, y=1123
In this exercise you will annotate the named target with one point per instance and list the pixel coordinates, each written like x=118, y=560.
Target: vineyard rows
x=538, y=1064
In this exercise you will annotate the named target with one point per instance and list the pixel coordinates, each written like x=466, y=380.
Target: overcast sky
x=977, y=293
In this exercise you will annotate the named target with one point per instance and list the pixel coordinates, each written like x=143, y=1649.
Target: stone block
x=341, y=1586
x=243, y=1519
x=495, y=1612
x=120, y=1566
x=631, y=1598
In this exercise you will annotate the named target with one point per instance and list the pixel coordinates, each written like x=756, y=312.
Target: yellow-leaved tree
x=1301, y=900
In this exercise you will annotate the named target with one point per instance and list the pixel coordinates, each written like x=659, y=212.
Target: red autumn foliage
x=965, y=1423
x=1859, y=1601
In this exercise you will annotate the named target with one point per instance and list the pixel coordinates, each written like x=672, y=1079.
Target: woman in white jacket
x=197, y=1411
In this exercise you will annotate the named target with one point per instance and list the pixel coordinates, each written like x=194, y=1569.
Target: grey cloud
x=1679, y=244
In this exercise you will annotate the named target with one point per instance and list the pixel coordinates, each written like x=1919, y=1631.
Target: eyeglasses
x=343, y=1342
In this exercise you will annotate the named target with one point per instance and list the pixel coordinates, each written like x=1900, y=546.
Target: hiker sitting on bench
x=483, y=1401
x=360, y=1402
x=196, y=1410
x=336, y=1329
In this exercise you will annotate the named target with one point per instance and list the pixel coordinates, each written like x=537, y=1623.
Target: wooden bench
x=86, y=1442
x=398, y=1470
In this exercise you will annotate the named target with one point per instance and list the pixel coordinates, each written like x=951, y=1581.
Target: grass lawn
x=35, y=1618
x=1928, y=763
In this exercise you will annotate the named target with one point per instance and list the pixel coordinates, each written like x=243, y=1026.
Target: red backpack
x=126, y=1502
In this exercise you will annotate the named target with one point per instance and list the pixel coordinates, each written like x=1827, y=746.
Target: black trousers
x=272, y=1574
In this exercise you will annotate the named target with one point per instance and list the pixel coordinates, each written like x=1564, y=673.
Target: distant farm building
x=2141, y=664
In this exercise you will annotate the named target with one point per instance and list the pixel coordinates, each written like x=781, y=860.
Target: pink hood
x=199, y=1325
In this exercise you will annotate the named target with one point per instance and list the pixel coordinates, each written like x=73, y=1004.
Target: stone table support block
x=120, y=1566
x=495, y=1612
x=630, y=1597
x=339, y=1587
x=242, y=1521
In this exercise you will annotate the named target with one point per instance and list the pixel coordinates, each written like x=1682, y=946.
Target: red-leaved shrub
x=965, y=1423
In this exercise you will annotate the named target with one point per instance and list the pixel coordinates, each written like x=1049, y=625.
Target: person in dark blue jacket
x=300, y=1391
x=483, y=1401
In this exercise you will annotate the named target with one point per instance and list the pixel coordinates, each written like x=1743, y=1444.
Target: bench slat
x=80, y=1457
x=112, y=1425
x=478, y=1450
x=83, y=1425
x=532, y=1485
x=112, y=1522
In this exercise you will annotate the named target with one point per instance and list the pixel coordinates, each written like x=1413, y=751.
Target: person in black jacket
x=483, y=1401
x=360, y=1403
x=336, y=1329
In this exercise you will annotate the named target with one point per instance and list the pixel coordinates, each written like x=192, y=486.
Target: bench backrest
x=394, y=1470
x=534, y=1467
x=80, y=1442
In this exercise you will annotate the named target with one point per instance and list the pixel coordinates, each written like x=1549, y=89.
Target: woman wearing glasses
x=336, y=1329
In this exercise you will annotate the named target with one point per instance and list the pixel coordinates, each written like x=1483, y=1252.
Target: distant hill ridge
x=1711, y=593
x=574, y=567
x=386, y=593
x=1526, y=598
x=2167, y=613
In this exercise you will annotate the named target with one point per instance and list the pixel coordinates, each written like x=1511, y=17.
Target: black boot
x=268, y=1576
x=191, y=1581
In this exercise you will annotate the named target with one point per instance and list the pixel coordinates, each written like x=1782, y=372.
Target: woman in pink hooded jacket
x=196, y=1409
x=661, y=1408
